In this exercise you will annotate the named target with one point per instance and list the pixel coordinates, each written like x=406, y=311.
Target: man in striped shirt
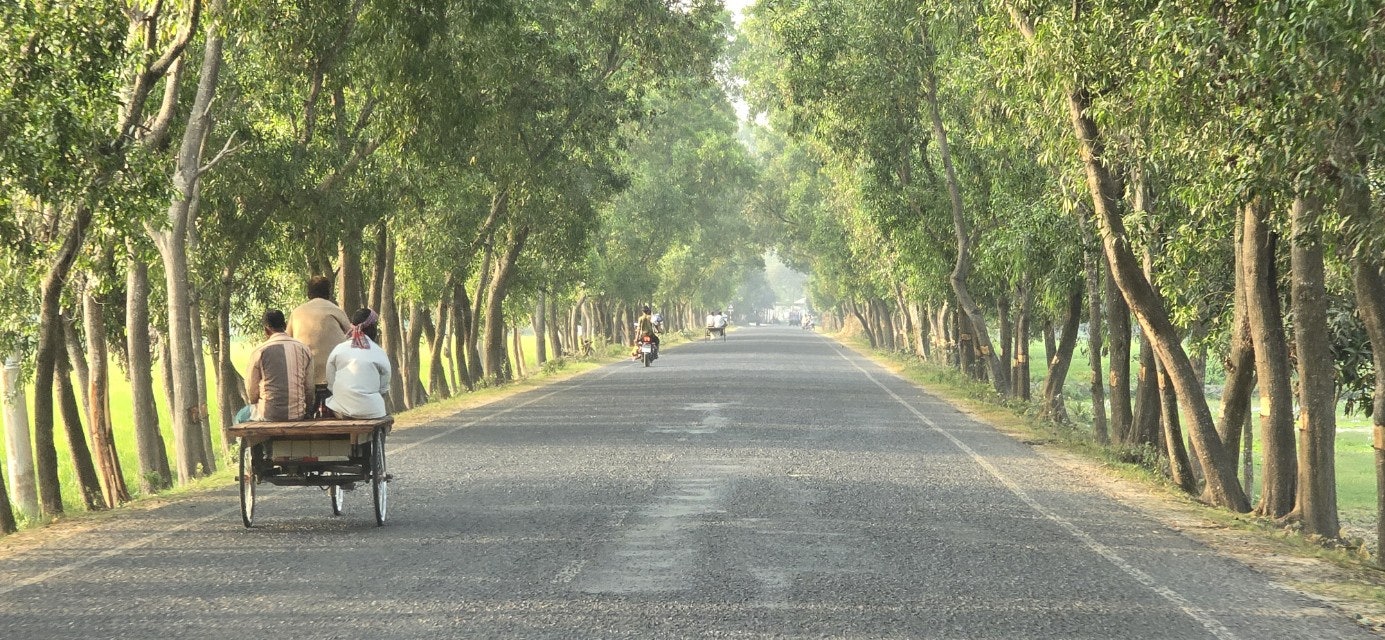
x=280, y=384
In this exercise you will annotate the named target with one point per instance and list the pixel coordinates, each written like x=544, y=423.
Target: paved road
x=770, y=486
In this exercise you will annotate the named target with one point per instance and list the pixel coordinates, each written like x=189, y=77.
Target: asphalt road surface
x=774, y=485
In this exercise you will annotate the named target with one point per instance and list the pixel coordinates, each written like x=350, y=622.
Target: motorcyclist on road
x=646, y=328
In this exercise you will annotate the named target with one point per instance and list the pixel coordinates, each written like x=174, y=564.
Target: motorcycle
x=649, y=350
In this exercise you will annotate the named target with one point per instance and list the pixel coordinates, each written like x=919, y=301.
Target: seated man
x=358, y=371
x=280, y=383
x=712, y=322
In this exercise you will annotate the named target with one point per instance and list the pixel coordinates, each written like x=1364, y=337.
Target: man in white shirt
x=358, y=371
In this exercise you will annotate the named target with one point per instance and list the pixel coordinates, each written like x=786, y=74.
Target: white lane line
x=146, y=540
x=1212, y=625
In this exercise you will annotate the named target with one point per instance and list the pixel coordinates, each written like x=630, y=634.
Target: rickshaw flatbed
x=333, y=454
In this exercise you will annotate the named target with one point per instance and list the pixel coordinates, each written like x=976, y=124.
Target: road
x=774, y=485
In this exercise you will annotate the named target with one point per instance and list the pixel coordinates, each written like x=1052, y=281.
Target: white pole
x=18, y=447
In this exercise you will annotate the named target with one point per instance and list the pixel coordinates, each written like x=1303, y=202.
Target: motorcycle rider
x=646, y=328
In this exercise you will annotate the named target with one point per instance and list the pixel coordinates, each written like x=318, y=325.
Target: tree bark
x=962, y=267
x=1180, y=470
x=1369, y=283
x=437, y=367
x=1118, y=328
x=1053, y=405
x=1317, y=483
x=410, y=360
x=496, y=358
x=203, y=416
x=349, y=273
x=865, y=326
x=540, y=322
x=8, y=524
x=89, y=485
x=391, y=331
x=1240, y=361
x=555, y=334
x=377, y=268
x=99, y=406
x=188, y=434
x=1092, y=268
x=1020, y=378
x=1144, y=428
x=155, y=473
x=462, y=343
x=1271, y=365
x=19, y=459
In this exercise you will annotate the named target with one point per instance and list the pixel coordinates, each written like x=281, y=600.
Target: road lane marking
x=146, y=540
x=1211, y=624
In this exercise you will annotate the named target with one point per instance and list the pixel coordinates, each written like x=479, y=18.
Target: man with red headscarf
x=358, y=371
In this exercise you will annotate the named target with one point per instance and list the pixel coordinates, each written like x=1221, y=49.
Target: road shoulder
x=1334, y=578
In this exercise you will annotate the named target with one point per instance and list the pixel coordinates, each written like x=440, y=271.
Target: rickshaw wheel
x=378, y=483
x=247, y=484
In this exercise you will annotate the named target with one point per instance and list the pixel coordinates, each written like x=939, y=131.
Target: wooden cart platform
x=331, y=454
x=308, y=428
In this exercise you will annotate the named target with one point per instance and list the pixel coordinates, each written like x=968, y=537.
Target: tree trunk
x=1050, y=342
x=230, y=385
x=463, y=343
x=1317, y=483
x=8, y=524
x=392, y=332
x=518, y=353
x=496, y=358
x=1240, y=362
x=76, y=357
x=540, y=322
x=377, y=268
x=1053, y=406
x=349, y=272
x=1091, y=263
x=1180, y=469
x=865, y=326
x=1271, y=365
x=1144, y=428
x=154, y=471
x=1007, y=337
x=1369, y=284
x=1370, y=302
x=1020, y=378
x=172, y=244
x=204, y=427
x=962, y=267
x=437, y=368
x=555, y=334
x=99, y=406
x=87, y=481
x=411, y=358
x=19, y=459
x=1118, y=328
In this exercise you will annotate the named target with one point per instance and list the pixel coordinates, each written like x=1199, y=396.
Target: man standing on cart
x=280, y=383
x=321, y=325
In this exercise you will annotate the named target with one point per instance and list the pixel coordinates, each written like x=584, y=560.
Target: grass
x=121, y=411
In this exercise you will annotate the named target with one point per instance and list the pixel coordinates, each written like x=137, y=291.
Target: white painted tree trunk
x=19, y=449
